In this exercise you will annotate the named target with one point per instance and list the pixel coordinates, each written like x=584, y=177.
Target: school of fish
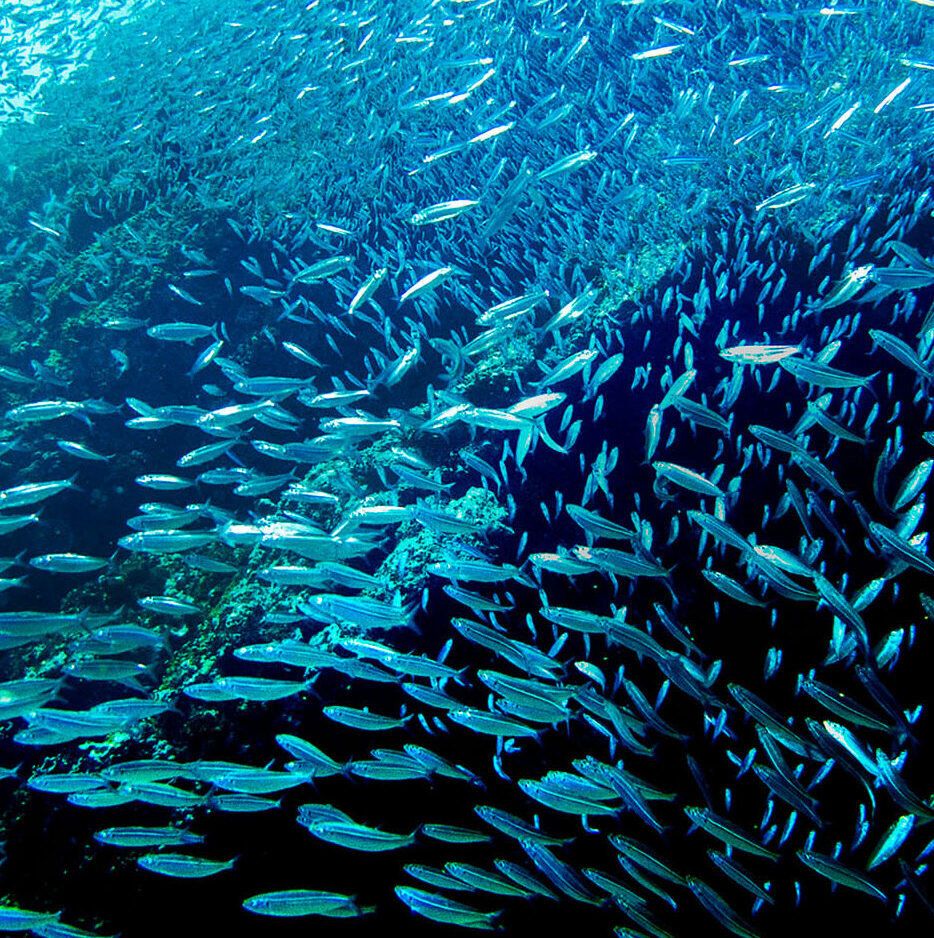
x=463, y=463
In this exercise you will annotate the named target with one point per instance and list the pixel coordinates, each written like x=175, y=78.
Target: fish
x=15, y=918
x=718, y=908
x=492, y=724
x=567, y=368
x=759, y=354
x=786, y=197
x=900, y=548
x=181, y=866
x=169, y=605
x=359, y=837
x=184, y=295
x=292, y=903
x=322, y=269
x=891, y=842
x=443, y=211
x=186, y=332
x=166, y=541
x=567, y=164
x=687, y=479
x=901, y=351
x=728, y=832
x=260, y=688
x=572, y=310
x=432, y=876
x=440, y=908
x=163, y=482
x=484, y=880
x=41, y=411
x=453, y=835
x=363, y=611
x=367, y=290
x=81, y=451
x=509, y=336
x=559, y=873
x=823, y=376
x=363, y=719
x=31, y=493
x=10, y=523
x=68, y=563
x=146, y=837
x=839, y=873
x=431, y=281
